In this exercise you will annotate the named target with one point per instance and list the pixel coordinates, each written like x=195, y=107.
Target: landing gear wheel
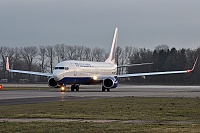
x=103, y=88
x=72, y=87
x=77, y=87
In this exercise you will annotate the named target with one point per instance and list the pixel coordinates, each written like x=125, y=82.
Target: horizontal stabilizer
x=129, y=65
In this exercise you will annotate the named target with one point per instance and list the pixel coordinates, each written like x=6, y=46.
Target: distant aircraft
x=74, y=73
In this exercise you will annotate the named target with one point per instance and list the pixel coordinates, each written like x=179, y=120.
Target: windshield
x=62, y=68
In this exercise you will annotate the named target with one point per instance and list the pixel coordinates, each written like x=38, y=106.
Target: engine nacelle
x=52, y=83
x=110, y=82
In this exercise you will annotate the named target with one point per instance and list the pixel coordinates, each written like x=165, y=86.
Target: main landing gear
x=75, y=87
x=104, y=89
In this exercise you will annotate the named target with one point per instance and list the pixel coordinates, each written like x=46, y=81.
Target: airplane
x=74, y=73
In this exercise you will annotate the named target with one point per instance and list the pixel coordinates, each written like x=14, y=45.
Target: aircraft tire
x=103, y=88
x=77, y=87
x=72, y=87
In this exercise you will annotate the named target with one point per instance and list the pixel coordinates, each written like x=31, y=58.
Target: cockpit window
x=62, y=68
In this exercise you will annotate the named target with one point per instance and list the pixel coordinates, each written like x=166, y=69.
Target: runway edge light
x=1, y=87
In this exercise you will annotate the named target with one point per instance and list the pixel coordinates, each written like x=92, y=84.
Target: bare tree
x=28, y=53
x=17, y=64
x=71, y=52
x=128, y=53
x=63, y=52
x=87, y=53
x=60, y=52
x=162, y=47
x=80, y=52
x=98, y=54
x=42, y=53
x=120, y=58
x=50, y=55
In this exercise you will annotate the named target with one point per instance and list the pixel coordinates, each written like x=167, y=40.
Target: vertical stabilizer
x=112, y=56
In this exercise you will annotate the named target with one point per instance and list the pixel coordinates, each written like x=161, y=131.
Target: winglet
x=188, y=71
x=7, y=64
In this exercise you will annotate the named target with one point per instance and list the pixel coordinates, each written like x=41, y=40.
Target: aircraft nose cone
x=57, y=75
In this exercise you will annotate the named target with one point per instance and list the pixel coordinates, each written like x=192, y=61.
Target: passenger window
x=66, y=68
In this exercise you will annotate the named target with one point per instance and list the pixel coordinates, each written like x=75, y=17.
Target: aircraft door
x=75, y=71
x=96, y=70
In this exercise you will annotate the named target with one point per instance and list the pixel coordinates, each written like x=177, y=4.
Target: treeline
x=44, y=58
x=165, y=59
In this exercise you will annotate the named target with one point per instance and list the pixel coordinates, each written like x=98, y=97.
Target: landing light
x=95, y=77
x=62, y=88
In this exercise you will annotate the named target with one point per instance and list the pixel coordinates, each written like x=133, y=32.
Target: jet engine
x=110, y=82
x=52, y=82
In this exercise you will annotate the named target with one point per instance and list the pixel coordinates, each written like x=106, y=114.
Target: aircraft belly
x=77, y=80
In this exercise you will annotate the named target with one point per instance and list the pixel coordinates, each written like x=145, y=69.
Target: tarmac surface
x=8, y=97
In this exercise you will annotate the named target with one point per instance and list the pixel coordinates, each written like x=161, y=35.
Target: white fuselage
x=72, y=71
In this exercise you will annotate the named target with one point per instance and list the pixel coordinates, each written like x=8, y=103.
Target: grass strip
x=128, y=108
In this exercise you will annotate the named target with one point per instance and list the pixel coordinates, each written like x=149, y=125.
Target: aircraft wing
x=26, y=72
x=33, y=73
x=157, y=73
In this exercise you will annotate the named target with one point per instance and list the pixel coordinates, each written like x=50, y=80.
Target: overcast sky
x=141, y=23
